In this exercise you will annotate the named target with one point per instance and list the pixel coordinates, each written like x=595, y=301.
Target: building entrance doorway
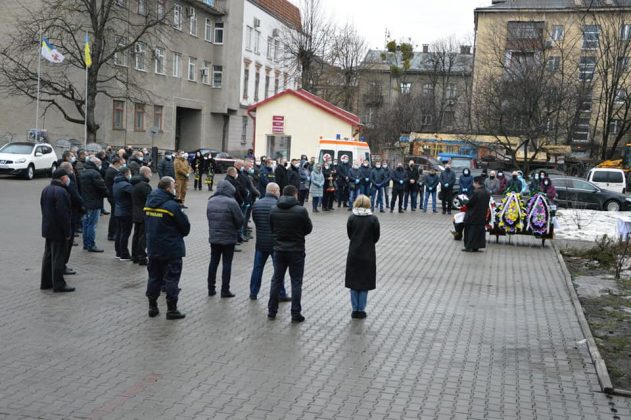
x=278, y=147
x=188, y=129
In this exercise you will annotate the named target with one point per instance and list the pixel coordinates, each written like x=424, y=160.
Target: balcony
x=212, y=7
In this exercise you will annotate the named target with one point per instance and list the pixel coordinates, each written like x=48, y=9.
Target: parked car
x=223, y=161
x=576, y=192
x=608, y=179
x=426, y=163
x=27, y=159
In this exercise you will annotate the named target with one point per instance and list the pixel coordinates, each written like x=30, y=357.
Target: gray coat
x=224, y=216
x=317, y=183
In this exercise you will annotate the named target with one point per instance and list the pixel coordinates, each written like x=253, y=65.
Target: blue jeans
x=90, y=219
x=164, y=273
x=295, y=262
x=365, y=189
x=427, y=193
x=352, y=195
x=224, y=253
x=412, y=195
x=260, y=258
x=377, y=193
x=359, y=298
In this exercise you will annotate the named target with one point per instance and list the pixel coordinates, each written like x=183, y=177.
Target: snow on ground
x=593, y=224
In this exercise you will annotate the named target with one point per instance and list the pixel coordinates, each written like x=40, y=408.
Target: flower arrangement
x=538, y=215
x=511, y=214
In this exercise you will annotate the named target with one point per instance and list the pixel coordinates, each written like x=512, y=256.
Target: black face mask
x=492, y=177
x=514, y=176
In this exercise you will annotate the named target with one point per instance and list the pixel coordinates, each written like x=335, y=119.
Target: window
x=586, y=69
x=621, y=95
x=450, y=93
x=405, y=87
x=210, y=3
x=192, y=21
x=161, y=8
x=118, y=115
x=218, y=33
x=276, y=83
x=139, y=117
x=428, y=89
x=525, y=30
x=140, y=56
x=246, y=81
x=205, y=73
x=244, y=130
x=623, y=63
x=142, y=7
x=177, y=16
x=159, y=53
x=449, y=118
x=591, y=34
x=285, y=79
x=208, y=30
x=157, y=117
x=553, y=64
x=276, y=50
x=192, y=63
x=625, y=32
x=121, y=3
x=270, y=48
x=177, y=64
x=217, y=76
x=257, y=42
x=614, y=127
x=257, y=82
x=248, y=38
x=558, y=32
x=120, y=57
x=267, y=82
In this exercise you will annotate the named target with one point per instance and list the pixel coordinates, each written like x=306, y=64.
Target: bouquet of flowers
x=538, y=215
x=511, y=214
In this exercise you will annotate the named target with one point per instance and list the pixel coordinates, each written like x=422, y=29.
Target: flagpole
x=39, y=72
x=85, y=129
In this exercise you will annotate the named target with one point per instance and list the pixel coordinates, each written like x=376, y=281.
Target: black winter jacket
x=56, y=212
x=240, y=192
x=447, y=179
x=122, y=197
x=413, y=174
x=165, y=226
x=139, y=193
x=134, y=166
x=110, y=174
x=260, y=214
x=293, y=177
x=379, y=177
x=280, y=176
x=165, y=168
x=290, y=223
x=224, y=216
x=431, y=182
x=93, y=188
x=399, y=179
x=364, y=174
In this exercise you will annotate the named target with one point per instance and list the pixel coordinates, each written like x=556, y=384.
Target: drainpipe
x=253, y=129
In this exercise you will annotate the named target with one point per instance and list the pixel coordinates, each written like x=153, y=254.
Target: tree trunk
x=91, y=105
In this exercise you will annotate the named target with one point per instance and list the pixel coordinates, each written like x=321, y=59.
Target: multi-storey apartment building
x=583, y=45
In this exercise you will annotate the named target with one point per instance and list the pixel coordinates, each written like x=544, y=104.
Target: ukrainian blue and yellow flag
x=86, y=51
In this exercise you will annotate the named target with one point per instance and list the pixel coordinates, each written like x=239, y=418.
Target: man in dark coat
x=225, y=219
x=111, y=173
x=293, y=174
x=240, y=191
x=165, y=166
x=447, y=181
x=139, y=193
x=78, y=209
x=363, y=231
x=364, y=181
x=379, y=178
x=93, y=191
x=57, y=230
x=123, y=213
x=135, y=163
x=290, y=224
x=280, y=174
x=399, y=181
x=475, y=217
x=166, y=226
x=266, y=175
x=411, y=187
x=264, y=239
x=342, y=181
x=431, y=184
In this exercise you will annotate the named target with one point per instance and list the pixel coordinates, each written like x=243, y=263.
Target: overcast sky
x=422, y=20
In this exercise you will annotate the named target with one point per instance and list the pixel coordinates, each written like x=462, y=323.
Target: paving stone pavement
x=448, y=335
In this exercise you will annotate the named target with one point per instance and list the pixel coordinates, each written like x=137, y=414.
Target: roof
x=552, y=4
x=313, y=100
x=421, y=62
x=283, y=10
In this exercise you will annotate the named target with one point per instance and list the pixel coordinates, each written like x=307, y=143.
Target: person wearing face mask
x=198, y=170
x=354, y=179
x=399, y=180
x=548, y=189
x=78, y=209
x=140, y=192
x=411, y=188
x=475, y=218
x=492, y=184
x=328, y=196
x=266, y=175
x=303, y=187
x=165, y=166
x=293, y=174
x=524, y=184
x=364, y=180
x=182, y=173
x=317, y=186
x=110, y=174
x=93, y=191
x=542, y=175
x=343, y=182
x=166, y=226
x=209, y=169
x=135, y=163
x=447, y=180
x=535, y=184
x=503, y=181
x=386, y=187
x=465, y=182
x=123, y=211
x=280, y=173
x=514, y=185
x=379, y=177
x=55, y=204
x=431, y=182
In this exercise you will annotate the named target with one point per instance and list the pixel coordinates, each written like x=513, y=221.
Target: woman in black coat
x=475, y=218
x=361, y=264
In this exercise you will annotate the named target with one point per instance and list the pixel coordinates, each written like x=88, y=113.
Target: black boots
x=153, y=307
x=172, y=312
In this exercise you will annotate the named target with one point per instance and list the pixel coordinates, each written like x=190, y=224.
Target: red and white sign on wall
x=278, y=124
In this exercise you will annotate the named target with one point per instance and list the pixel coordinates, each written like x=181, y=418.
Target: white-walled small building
x=291, y=123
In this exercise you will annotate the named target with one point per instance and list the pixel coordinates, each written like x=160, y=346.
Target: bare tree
x=347, y=51
x=113, y=31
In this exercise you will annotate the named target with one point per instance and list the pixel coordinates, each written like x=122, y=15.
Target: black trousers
x=53, y=264
x=447, y=199
x=112, y=225
x=397, y=194
x=123, y=233
x=164, y=274
x=327, y=199
x=295, y=262
x=139, y=243
x=224, y=253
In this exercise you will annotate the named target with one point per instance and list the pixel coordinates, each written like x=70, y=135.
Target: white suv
x=27, y=159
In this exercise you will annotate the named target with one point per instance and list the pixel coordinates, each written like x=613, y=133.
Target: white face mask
x=378, y=166
x=67, y=183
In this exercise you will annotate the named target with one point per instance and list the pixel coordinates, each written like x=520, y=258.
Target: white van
x=332, y=149
x=608, y=179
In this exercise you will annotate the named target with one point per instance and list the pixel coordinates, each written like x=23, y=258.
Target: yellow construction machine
x=624, y=163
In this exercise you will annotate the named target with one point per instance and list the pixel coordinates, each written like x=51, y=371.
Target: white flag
x=50, y=53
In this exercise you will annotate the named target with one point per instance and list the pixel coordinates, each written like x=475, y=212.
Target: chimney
x=465, y=49
x=425, y=48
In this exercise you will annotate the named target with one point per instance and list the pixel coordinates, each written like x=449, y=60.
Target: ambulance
x=334, y=149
